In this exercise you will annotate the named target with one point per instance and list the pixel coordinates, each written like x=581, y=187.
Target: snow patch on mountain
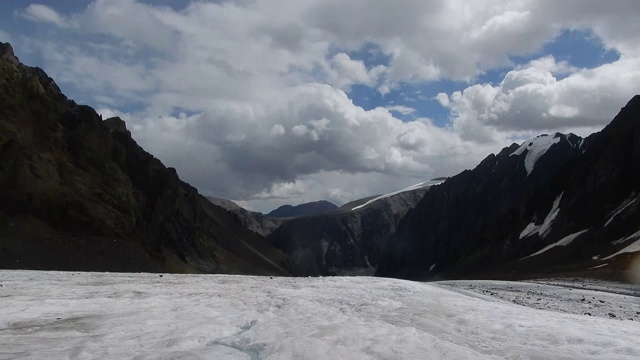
x=562, y=242
x=635, y=247
x=625, y=239
x=545, y=227
x=535, y=148
x=421, y=185
x=625, y=204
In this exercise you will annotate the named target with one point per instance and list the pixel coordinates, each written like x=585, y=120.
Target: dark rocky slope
x=346, y=241
x=307, y=209
x=504, y=217
x=254, y=221
x=78, y=193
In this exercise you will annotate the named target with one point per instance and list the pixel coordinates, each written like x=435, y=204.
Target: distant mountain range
x=347, y=241
x=306, y=209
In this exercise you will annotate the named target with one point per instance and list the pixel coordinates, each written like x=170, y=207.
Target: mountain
x=78, y=193
x=557, y=203
x=347, y=241
x=307, y=209
x=254, y=221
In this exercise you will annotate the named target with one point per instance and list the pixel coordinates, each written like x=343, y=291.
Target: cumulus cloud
x=533, y=98
x=43, y=13
x=250, y=100
x=345, y=71
x=316, y=128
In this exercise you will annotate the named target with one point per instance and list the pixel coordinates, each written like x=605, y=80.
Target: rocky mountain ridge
x=307, y=209
x=554, y=204
x=254, y=221
x=78, y=193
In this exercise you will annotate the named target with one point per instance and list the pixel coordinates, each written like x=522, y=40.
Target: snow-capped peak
x=535, y=148
x=424, y=184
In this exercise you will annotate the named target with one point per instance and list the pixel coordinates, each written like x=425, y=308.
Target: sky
x=272, y=102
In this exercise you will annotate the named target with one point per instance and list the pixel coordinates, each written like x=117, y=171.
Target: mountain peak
x=535, y=148
x=6, y=52
x=117, y=125
x=634, y=102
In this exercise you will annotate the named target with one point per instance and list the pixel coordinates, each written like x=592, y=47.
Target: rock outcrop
x=254, y=221
x=78, y=193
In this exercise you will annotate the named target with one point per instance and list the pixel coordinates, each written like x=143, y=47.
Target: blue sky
x=579, y=48
x=274, y=102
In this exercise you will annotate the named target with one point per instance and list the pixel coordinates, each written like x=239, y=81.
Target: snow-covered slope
x=422, y=185
x=535, y=148
x=562, y=242
x=52, y=315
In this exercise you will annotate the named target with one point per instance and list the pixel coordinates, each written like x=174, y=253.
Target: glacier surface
x=62, y=315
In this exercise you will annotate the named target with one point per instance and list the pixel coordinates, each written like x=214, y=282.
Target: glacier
x=55, y=315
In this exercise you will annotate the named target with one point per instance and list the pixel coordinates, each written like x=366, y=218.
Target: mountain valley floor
x=55, y=315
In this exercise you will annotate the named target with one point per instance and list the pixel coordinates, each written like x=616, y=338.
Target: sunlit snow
x=545, y=227
x=421, y=185
x=633, y=236
x=535, y=149
x=56, y=315
x=625, y=204
x=562, y=242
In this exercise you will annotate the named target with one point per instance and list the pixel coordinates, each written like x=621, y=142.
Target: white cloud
x=43, y=13
x=532, y=98
x=131, y=21
x=263, y=85
x=345, y=72
x=318, y=129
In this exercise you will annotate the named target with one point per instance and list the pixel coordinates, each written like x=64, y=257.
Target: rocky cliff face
x=78, y=193
x=254, y=221
x=555, y=203
x=343, y=242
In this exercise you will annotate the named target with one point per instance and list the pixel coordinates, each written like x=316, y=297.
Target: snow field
x=57, y=315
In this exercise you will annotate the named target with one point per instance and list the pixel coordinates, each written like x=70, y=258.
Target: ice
x=535, y=149
x=545, y=227
x=55, y=315
x=410, y=188
x=562, y=242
